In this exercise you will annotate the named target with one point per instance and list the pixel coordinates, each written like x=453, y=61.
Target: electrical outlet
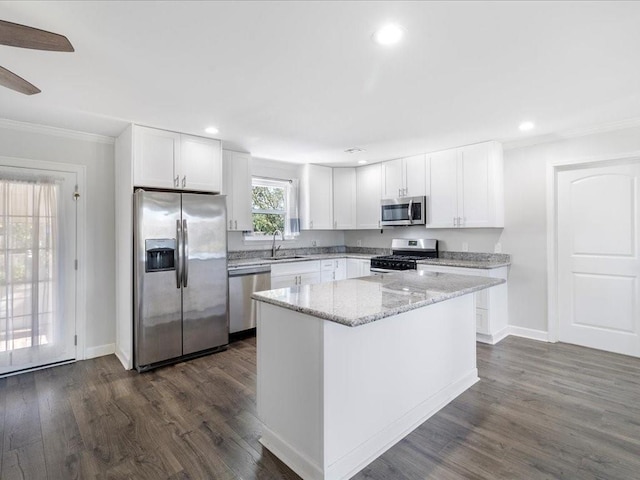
x=465, y=246
x=314, y=243
x=497, y=248
x=358, y=243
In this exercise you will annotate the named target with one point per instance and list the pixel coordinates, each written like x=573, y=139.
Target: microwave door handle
x=176, y=253
x=410, y=211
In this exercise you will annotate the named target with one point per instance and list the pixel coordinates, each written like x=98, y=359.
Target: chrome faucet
x=273, y=247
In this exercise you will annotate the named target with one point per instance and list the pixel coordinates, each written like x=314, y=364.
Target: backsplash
x=476, y=256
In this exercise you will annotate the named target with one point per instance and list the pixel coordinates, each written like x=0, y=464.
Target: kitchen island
x=347, y=368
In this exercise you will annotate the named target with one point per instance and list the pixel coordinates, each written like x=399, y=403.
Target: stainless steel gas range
x=405, y=255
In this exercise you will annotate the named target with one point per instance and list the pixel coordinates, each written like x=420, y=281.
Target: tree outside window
x=268, y=205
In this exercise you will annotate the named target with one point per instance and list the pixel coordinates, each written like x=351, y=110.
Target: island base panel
x=334, y=398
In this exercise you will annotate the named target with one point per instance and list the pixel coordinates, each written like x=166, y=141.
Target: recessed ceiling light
x=211, y=130
x=389, y=34
x=362, y=162
x=354, y=150
x=526, y=126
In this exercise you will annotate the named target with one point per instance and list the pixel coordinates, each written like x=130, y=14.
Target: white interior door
x=598, y=257
x=37, y=273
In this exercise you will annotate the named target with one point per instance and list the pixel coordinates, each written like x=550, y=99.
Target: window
x=273, y=207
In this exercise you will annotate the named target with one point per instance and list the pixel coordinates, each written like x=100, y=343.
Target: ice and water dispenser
x=160, y=254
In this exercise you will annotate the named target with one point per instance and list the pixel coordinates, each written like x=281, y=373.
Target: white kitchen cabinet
x=404, y=177
x=333, y=269
x=164, y=159
x=491, y=304
x=290, y=274
x=340, y=268
x=465, y=187
x=316, y=198
x=237, y=188
x=155, y=155
x=344, y=198
x=358, y=267
x=368, y=195
x=200, y=165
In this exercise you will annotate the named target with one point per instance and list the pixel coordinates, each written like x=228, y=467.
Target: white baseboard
x=493, y=338
x=125, y=359
x=530, y=333
x=99, y=351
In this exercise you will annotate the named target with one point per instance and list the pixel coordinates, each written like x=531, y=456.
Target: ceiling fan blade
x=14, y=82
x=16, y=35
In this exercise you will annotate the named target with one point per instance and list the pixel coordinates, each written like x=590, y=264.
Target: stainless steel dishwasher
x=243, y=281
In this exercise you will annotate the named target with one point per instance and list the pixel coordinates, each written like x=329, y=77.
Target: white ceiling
x=303, y=81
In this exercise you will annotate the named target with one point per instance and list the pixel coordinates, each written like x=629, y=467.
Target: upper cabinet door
x=415, y=175
x=200, y=164
x=442, y=202
x=475, y=188
x=344, y=198
x=316, y=193
x=156, y=153
x=393, y=175
x=368, y=194
x=237, y=188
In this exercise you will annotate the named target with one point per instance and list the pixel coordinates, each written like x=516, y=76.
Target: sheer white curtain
x=292, y=226
x=30, y=255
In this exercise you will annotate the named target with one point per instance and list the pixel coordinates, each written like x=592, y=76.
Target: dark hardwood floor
x=541, y=411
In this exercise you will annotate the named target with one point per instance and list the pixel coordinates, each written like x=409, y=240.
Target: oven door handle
x=410, y=211
x=381, y=270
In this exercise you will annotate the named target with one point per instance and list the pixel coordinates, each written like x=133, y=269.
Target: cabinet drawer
x=482, y=321
x=295, y=268
x=327, y=265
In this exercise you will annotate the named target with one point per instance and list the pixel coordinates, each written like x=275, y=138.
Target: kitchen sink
x=285, y=257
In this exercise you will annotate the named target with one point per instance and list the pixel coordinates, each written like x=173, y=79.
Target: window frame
x=269, y=182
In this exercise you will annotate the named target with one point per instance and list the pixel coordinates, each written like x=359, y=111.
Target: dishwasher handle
x=242, y=271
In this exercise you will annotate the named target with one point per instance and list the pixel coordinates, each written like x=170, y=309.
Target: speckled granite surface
x=469, y=260
x=358, y=301
x=447, y=259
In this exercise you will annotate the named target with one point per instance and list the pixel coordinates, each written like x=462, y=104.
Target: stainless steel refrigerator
x=180, y=270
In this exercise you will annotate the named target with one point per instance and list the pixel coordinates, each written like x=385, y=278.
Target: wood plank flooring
x=540, y=411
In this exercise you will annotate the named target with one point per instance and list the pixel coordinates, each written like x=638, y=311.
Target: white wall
x=478, y=239
x=282, y=170
x=525, y=232
x=97, y=155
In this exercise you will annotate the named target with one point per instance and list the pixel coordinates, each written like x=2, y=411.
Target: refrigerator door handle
x=176, y=253
x=185, y=254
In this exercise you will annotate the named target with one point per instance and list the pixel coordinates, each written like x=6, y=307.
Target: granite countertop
x=358, y=301
x=247, y=262
x=447, y=259
x=452, y=262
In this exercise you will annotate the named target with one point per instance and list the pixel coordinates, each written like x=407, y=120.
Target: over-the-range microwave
x=403, y=211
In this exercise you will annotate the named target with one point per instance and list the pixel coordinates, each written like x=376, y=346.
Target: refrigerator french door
x=180, y=269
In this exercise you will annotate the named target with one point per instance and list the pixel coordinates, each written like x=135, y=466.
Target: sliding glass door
x=37, y=271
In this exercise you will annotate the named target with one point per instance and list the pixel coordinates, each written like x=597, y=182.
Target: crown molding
x=55, y=131
x=572, y=133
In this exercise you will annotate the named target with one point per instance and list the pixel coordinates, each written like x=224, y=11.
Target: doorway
x=38, y=252
x=598, y=256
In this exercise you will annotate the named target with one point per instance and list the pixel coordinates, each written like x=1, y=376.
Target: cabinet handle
x=310, y=223
x=454, y=221
x=235, y=222
x=230, y=224
x=184, y=181
x=176, y=181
